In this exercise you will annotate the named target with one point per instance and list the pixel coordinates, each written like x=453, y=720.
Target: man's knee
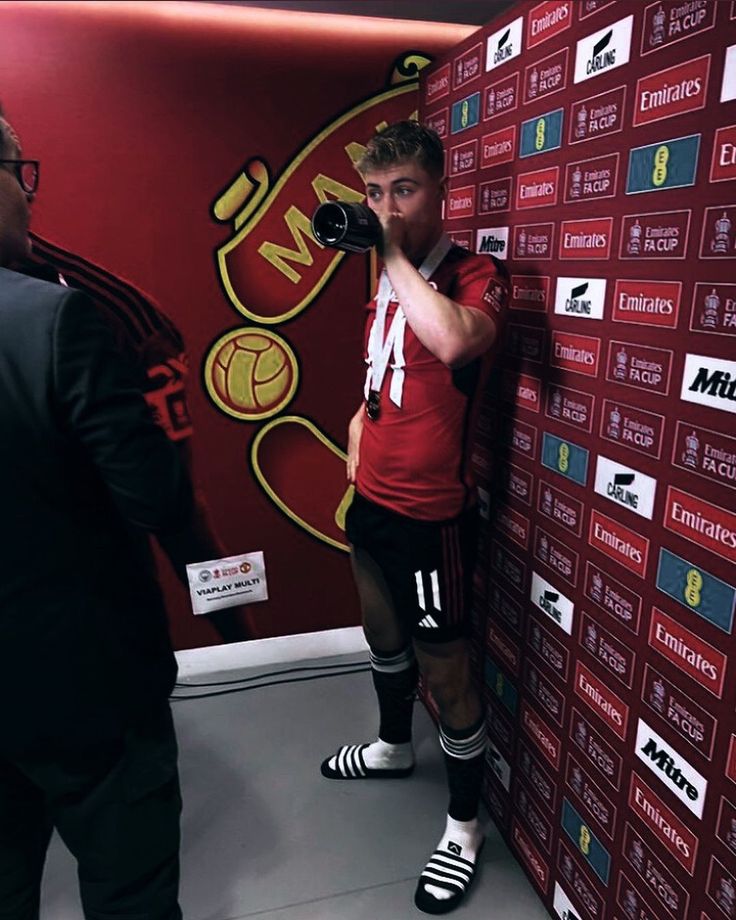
x=447, y=677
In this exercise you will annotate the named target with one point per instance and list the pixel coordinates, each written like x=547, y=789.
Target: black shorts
x=428, y=565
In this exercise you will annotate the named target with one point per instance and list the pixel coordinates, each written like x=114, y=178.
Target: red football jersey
x=415, y=459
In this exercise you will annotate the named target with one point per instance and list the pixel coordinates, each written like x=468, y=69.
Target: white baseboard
x=235, y=656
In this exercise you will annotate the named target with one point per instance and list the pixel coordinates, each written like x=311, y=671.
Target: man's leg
x=394, y=671
x=122, y=825
x=446, y=670
x=25, y=831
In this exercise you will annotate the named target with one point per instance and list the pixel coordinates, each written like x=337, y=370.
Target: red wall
x=143, y=114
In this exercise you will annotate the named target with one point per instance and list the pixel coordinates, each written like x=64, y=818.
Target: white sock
x=384, y=756
x=465, y=838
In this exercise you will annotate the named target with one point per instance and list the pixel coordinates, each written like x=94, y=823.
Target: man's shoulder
x=22, y=293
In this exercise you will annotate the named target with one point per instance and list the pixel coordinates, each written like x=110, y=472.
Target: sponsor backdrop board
x=192, y=176
x=593, y=148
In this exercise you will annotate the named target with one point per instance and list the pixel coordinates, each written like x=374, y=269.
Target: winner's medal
x=373, y=405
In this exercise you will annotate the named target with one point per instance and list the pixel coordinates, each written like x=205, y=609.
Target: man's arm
x=355, y=432
x=453, y=332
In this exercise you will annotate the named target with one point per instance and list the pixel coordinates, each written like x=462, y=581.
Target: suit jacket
x=85, y=474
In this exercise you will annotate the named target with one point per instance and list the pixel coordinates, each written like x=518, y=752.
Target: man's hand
x=394, y=233
x=355, y=432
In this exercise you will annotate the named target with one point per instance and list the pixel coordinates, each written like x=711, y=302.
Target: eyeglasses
x=26, y=172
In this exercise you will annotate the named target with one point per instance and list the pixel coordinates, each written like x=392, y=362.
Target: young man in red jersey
x=432, y=332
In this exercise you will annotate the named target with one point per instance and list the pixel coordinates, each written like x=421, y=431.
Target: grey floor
x=264, y=835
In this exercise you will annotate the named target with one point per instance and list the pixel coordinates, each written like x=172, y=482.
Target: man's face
x=15, y=213
x=409, y=190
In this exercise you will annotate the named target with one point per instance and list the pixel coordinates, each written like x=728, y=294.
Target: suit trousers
x=116, y=806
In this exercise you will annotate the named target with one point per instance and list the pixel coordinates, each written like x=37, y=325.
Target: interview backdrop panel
x=592, y=145
x=183, y=150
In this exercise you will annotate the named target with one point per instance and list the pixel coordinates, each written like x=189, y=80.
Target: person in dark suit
x=87, y=743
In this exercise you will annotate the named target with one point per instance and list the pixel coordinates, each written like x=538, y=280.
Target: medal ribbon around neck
x=379, y=350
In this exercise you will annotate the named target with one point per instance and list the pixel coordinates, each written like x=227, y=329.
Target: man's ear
x=443, y=187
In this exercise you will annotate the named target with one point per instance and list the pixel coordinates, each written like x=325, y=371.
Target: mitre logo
x=673, y=770
x=709, y=382
x=626, y=487
x=647, y=303
x=547, y=20
x=619, y=543
x=580, y=297
x=588, y=239
x=674, y=91
x=493, y=241
x=504, y=44
x=603, y=50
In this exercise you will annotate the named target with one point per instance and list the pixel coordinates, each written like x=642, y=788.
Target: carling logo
x=525, y=342
x=498, y=147
x=674, y=91
x=663, y=823
x=530, y=856
x=625, y=486
x=577, y=353
x=547, y=20
x=723, y=161
x=597, y=116
x=558, y=506
x=717, y=239
x=461, y=202
x=667, y=23
x=580, y=297
x=500, y=767
x=530, y=292
x=565, y=458
x=660, y=235
x=647, y=303
x=541, y=134
x=501, y=97
x=571, y=407
x=541, y=734
x=697, y=590
x=728, y=84
x=437, y=85
x=596, y=694
x=684, y=716
x=604, y=50
x=552, y=603
x=468, y=66
x=664, y=165
x=641, y=431
x=671, y=768
x=495, y=196
x=505, y=44
x=639, y=366
x=464, y=158
x=564, y=908
x=492, y=241
x=707, y=453
x=533, y=241
x=538, y=189
x=618, y=601
x=439, y=121
x=587, y=844
x=687, y=652
x=546, y=76
x=709, y=382
x=588, y=239
x=625, y=546
x=589, y=180
x=557, y=556
x=611, y=652
x=707, y=525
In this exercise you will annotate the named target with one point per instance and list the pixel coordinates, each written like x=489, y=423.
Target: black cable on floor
x=273, y=683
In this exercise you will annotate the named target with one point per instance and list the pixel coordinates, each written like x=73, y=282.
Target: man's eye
x=404, y=191
x=374, y=194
